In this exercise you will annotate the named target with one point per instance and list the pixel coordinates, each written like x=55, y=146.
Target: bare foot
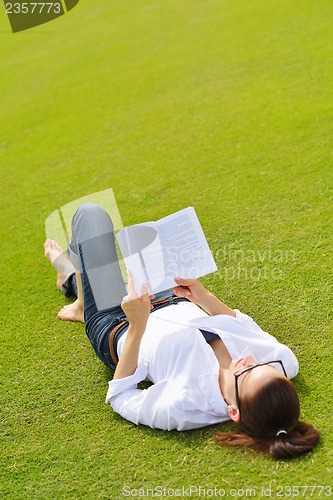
x=72, y=312
x=59, y=260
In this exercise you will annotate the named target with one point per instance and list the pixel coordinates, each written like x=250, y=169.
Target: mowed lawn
x=223, y=105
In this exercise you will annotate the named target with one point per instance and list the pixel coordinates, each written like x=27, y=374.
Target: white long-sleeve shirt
x=184, y=370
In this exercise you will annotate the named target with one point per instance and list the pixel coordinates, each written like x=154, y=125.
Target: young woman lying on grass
x=207, y=363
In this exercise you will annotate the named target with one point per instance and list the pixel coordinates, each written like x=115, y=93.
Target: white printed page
x=157, y=253
x=186, y=252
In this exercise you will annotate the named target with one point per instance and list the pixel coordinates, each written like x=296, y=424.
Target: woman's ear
x=234, y=413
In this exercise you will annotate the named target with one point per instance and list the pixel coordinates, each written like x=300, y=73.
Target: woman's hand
x=191, y=289
x=137, y=309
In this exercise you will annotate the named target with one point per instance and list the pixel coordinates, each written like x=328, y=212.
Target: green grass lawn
x=224, y=105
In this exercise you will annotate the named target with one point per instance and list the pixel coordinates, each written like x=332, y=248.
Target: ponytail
x=302, y=439
x=269, y=422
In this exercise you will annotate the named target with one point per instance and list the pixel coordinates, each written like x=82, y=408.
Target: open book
x=158, y=252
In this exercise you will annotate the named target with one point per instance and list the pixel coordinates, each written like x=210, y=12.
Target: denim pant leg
x=93, y=232
x=92, y=250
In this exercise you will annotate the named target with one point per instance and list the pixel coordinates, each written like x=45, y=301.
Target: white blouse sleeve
x=160, y=406
x=247, y=321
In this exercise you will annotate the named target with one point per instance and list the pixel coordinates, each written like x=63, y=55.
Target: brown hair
x=274, y=408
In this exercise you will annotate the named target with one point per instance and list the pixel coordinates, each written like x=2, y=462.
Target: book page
x=143, y=255
x=132, y=239
x=154, y=259
x=157, y=253
x=134, y=264
x=186, y=251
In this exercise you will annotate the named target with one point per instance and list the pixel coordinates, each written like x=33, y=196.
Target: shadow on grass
x=301, y=385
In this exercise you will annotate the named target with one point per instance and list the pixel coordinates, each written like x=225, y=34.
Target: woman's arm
x=137, y=311
x=193, y=290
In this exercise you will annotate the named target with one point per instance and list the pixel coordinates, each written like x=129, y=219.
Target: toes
x=70, y=313
x=47, y=245
x=65, y=317
x=62, y=312
x=52, y=245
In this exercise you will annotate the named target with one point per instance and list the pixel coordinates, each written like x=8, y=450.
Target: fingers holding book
x=137, y=309
x=191, y=289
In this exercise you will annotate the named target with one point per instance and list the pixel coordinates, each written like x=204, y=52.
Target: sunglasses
x=246, y=369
